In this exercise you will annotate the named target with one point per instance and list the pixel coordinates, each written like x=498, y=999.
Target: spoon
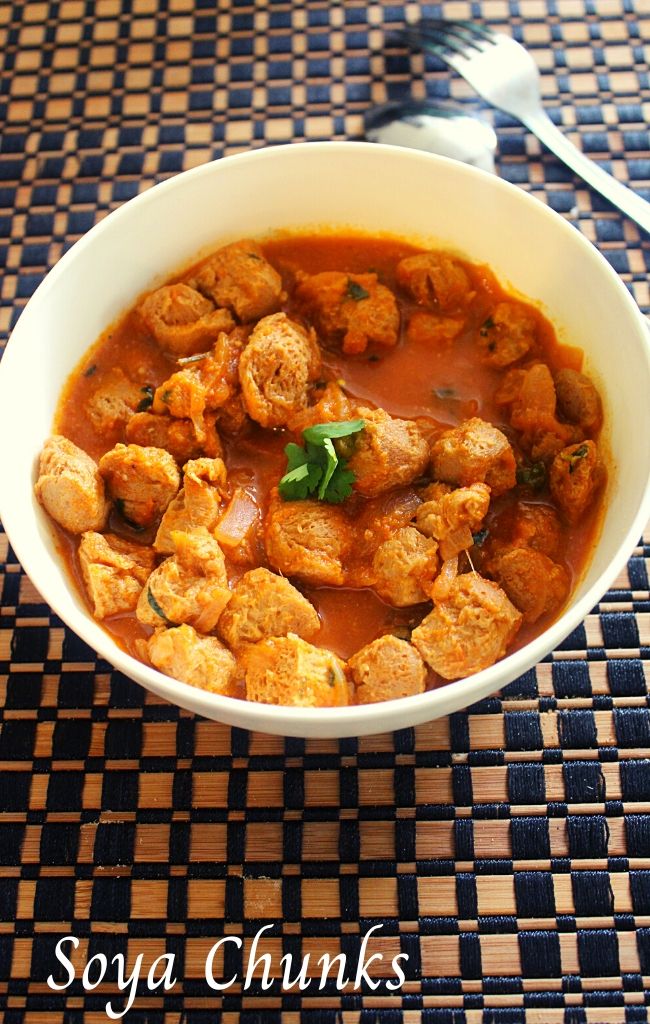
x=434, y=126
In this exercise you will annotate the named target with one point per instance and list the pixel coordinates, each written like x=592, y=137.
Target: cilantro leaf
x=120, y=505
x=332, y=463
x=296, y=456
x=356, y=291
x=318, y=470
x=340, y=485
x=574, y=457
x=147, y=401
x=299, y=483
x=153, y=604
x=317, y=434
x=533, y=476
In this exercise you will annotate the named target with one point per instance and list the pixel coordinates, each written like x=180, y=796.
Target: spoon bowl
x=433, y=126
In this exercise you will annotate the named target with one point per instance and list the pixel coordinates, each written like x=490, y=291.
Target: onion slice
x=237, y=520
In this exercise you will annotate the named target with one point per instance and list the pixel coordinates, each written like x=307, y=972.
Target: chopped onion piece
x=444, y=580
x=237, y=520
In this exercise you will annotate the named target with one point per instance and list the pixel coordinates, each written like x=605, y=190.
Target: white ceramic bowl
x=352, y=185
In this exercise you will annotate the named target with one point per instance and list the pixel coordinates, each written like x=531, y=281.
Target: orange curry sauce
x=443, y=385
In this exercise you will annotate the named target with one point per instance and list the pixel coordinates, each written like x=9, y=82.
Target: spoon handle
x=620, y=195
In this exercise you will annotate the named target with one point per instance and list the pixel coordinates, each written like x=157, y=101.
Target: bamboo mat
x=505, y=850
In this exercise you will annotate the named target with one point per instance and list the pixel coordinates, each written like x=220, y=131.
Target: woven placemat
x=505, y=850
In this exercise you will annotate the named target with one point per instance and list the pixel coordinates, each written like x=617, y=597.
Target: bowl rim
x=352, y=719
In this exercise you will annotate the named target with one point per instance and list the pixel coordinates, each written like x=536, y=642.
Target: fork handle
x=620, y=195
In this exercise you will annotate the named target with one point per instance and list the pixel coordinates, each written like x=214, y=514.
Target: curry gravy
x=439, y=386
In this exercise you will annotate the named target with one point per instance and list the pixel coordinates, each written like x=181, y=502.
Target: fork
x=505, y=74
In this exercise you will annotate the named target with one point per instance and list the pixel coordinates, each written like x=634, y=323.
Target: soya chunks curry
x=326, y=470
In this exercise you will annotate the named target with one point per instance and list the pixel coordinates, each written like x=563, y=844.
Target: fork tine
x=417, y=41
x=438, y=36
x=462, y=26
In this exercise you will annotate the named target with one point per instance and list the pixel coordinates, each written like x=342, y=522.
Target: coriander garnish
x=356, y=291
x=318, y=470
x=147, y=401
x=573, y=458
x=486, y=326
x=533, y=476
x=156, y=607
x=120, y=505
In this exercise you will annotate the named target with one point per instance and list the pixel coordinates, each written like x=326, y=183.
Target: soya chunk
x=578, y=400
x=289, y=671
x=114, y=401
x=405, y=566
x=240, y=278
x=426, y=328
x=69, y=486
x=524, y=525
x=388, y=453
x=308, y=539
x=532, y=399
x=182, y=320
x=376, y=521
x=386, y=669
x=192, y=392
x=469, y=628
x=265, y=605
x=474, y=452
x=114, y=571
x=533, y=410
x=534, y=583
x=231, y=414
x=275, y=369
x=576, y=474
x=507, y=335
x=537, y=526
x=141, y=481
x=331, y=405
x=200, y=501
x=201, y=661
x=453, y=517
x=354, y=307
x=177, y=436
x=437, y=280
x=189, y=587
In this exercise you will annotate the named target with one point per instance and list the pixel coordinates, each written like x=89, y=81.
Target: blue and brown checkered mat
x=506, y=850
